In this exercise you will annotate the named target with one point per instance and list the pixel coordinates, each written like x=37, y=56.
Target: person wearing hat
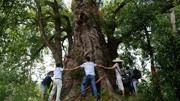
x=57, y=84
x=118, y=70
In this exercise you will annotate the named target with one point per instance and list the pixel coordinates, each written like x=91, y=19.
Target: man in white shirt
x=90, y=75
x=57, y=84
x=118, y=70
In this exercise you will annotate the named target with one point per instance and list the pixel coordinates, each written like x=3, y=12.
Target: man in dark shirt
x=46, y=84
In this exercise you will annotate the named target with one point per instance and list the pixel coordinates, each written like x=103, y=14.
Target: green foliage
x=152, y=15
x=20, y=39
x=19, y=42
x=14, y=85
x=168, y=56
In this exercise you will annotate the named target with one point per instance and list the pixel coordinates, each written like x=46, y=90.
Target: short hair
x=58, y=65
x=50, y=72
x=87, y=58
x=127, y=68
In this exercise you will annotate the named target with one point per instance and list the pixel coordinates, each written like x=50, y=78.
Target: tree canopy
x=140, y=32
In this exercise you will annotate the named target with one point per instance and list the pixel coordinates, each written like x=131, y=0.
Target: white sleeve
x=61, y=69
x=82, y=66
x=95, y=65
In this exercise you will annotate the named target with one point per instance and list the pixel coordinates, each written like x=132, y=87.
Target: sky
x=67, y=3
x=40, y=69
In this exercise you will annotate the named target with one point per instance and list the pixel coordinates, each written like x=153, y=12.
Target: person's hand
x=68, y=69
x=105, y=67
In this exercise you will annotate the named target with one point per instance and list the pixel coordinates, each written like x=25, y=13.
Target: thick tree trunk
x=57, y=37
x=69, y=32
x=56, y=48
x=88, y=40
x=153, y=70
x=112, y=48
x=150, y=51
x=173, y=19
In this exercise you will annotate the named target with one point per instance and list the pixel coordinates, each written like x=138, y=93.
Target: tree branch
x=42, y=47
x=69, y=32
x=99, y=3
x=121, y=6
x=64, y=38
x=43, y=35
x=68, y=23
x=36, y=53
x=168, y=7
x=129, y=33
x=57, y=37
x=6, y=16
x=9, y=10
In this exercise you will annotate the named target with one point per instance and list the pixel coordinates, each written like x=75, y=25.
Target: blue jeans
x=90, y=78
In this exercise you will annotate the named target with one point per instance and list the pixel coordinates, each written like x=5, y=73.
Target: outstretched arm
x=72, y=68
x=101, y=66
x=113, y=67
x=67, y=69
x=76, y=67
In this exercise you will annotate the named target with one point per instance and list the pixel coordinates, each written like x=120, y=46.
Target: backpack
x=127, y=79
x=137, y=74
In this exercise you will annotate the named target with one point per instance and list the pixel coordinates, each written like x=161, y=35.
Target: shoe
x=97, y=99
x=83, y=95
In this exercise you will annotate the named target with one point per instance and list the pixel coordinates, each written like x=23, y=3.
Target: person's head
x=51, y=74
x=58, y=65
x=87, y=59
x=127, y=68
x=120, y=64
x=119, y=61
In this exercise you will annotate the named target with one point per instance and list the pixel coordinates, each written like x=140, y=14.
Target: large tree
x=144, y=25
x=88, y=41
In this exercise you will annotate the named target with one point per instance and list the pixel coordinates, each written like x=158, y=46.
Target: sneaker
x=83, y=95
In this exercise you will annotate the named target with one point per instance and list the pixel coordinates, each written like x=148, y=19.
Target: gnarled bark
x=88, y=40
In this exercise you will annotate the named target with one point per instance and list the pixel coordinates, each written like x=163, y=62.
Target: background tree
x=88, y=40
x=141, y=29
x=16, y=52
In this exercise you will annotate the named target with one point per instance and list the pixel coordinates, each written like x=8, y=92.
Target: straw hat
x=117, y=60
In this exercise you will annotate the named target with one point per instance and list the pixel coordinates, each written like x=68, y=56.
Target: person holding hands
x=57, y=84
x=118, y=70
x=89, y=68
